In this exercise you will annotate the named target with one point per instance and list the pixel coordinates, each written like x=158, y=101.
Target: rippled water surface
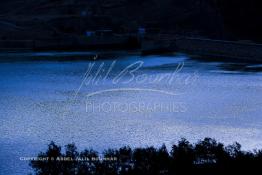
x=136, y=101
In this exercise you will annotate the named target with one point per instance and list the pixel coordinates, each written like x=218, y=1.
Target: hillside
x=37, y=19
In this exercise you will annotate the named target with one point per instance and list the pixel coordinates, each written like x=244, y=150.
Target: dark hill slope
x=30, y=19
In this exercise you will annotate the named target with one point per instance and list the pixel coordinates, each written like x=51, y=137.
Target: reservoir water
x=122, y=99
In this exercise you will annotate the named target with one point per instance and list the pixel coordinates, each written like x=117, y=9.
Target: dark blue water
x=136, y=101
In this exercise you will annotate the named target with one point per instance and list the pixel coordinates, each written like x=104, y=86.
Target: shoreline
x=199, y=47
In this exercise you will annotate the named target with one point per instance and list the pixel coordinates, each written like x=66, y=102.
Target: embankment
x=219, y=49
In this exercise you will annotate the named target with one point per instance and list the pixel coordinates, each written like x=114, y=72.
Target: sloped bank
x=226, y=50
